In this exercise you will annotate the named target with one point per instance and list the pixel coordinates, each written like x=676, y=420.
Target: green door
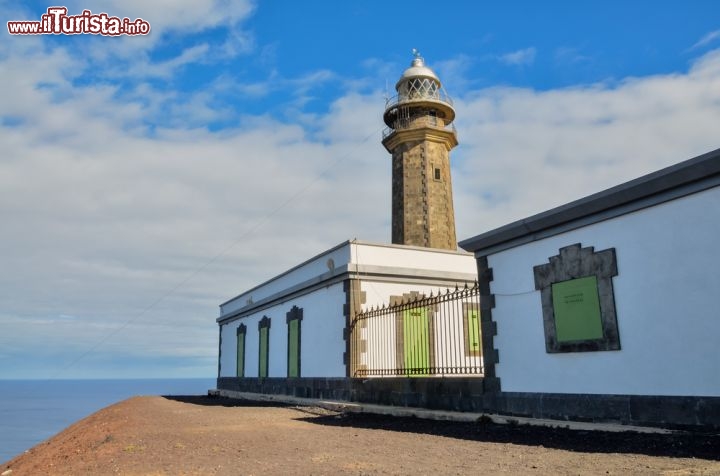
x=416, y=341
x=264, y=336
x=473, y=332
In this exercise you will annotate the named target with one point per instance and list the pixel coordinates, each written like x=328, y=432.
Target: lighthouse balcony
x=416, y=123
x=413, y=104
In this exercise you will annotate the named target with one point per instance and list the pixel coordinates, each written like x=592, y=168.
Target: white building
x=607, y=307
x=295, y=325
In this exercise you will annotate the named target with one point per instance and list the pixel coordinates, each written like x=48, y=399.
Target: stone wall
x=422, y=211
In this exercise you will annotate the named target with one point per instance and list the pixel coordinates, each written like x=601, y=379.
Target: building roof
x=357, y=260
x=690, y=176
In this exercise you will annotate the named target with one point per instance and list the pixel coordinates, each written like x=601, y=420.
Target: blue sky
x=144, y=180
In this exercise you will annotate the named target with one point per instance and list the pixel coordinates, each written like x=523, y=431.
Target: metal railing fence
x=435, y=335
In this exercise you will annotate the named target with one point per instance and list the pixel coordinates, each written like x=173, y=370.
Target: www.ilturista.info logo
x=57, y=22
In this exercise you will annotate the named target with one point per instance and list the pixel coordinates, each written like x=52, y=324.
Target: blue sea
x=32, y=411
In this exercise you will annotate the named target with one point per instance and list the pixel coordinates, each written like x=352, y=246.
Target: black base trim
x=459, y=394
x=479, y=395
x=680, y=412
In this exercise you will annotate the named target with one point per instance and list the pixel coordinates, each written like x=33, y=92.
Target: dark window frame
x=573, y=262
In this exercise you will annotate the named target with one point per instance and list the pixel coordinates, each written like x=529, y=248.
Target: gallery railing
x=435, y=335
x=418, y=121
x=438, y=95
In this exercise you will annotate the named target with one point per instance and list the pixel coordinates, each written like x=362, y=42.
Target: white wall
x=667, y=297
x=321, y=346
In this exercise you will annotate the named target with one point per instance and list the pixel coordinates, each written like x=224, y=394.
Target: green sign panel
x=577, y=310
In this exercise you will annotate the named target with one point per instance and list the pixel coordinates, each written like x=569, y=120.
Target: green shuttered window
x=294, y=318
x=294, y=348
x=264, y=329
x=241, y=332
x=416, y=341
x=472, y=331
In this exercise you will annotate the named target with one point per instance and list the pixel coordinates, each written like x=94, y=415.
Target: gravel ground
x=202, y=435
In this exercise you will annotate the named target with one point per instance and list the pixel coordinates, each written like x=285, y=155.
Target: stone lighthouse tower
x=420, y=135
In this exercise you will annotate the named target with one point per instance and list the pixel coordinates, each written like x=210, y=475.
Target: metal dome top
x=417, y=69
x=419, y=93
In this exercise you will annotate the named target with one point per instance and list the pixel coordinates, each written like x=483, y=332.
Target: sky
x=146, y=179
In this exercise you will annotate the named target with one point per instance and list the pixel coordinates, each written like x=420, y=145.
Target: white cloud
x=524, y=151
x=570, y=55
x=171, y=22
x=300, y=88
x=184, y=16
x=454, y=73
x=706, y=39
x=520, y=57
x=167, y=68
x=103, y=221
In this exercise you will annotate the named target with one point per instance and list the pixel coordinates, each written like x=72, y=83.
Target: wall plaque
x=578, y=302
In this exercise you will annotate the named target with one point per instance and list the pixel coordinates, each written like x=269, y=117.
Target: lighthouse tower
x=420, y=135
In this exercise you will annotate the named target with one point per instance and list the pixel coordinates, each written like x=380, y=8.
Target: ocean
x=32, y=411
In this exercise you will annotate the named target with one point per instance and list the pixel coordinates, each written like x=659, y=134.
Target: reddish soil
x=202, y=435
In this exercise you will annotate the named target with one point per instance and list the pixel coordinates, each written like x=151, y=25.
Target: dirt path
x=200, y=435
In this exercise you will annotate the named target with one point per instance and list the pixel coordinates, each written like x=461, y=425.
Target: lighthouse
x=419, y=135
